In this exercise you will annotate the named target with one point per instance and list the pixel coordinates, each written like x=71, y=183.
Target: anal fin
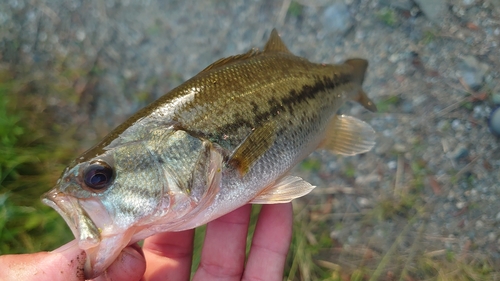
x=347, y=135
x=285, y=190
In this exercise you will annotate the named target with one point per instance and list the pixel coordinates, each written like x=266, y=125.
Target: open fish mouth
x=102, y=246
x=82, y=226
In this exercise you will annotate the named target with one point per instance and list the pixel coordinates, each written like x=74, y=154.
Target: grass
x=26, y=225
x=388, y=16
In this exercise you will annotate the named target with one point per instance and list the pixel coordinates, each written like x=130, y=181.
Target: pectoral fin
x=285, y=190
x=253, y=147
x=349, y=136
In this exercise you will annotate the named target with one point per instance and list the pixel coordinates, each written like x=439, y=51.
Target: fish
x=225, y=138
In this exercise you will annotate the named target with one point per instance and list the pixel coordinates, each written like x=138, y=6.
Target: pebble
x=407, y=106
x=494, y=122
x=399, y=4
x=80, y=35
x=496, y=98
x=468, y=2
x=481, y=111
x=492, y=236
x=459, y=152
x=364, y=202
x=460, y=205
x=479, y=224
x=498, y=216
x=434, y=10
x=472, y=72
x=457, y=125
x=337, y=18
x=335, y=234
x=392, y=165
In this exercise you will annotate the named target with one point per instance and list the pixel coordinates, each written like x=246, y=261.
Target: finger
x=270, y=243
x=66, y=263
x=223, y=253
x=169, y=255
x=128, y=266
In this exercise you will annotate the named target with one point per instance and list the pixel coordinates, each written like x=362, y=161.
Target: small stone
x=336, y=18
x=364, y=202
x=407, y=106
x=468, y=2
x=479, y=224
x=80, y=35
x=496, y=98
x=472, y=71
x=460, y=205
x=456, y=125
x=459, y=152
x=494, y=122
x=434, y=10
x=480, y=111
x=335, y=234
x=498, y=216
x=492, y=236
x=405, y=5
x=394, y=58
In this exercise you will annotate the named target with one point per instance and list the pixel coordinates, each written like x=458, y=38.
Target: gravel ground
x=432, y=180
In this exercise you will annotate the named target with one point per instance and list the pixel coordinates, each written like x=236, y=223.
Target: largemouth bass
x=224, y=138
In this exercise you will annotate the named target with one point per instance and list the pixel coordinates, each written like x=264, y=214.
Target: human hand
x=168, y=256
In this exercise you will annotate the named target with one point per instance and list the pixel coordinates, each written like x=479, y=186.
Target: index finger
x=270, y=243
x=168, y=255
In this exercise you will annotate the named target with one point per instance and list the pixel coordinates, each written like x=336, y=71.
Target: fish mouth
x=102, y=246
x=80, y=223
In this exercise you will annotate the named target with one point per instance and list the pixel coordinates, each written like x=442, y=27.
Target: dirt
x=429, y=188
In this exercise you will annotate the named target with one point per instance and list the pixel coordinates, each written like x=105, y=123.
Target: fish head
x=109, y=201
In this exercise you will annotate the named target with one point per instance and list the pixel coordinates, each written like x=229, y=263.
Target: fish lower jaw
x=102, y=255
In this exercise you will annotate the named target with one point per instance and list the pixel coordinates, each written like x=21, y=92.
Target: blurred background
x=424, y=204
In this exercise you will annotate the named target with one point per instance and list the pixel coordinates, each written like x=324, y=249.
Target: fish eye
x=98, y=175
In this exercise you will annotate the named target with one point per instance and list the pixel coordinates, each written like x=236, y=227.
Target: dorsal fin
x=228, y=60
x=274, y=44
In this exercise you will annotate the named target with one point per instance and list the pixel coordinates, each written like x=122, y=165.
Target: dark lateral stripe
x=286, y=103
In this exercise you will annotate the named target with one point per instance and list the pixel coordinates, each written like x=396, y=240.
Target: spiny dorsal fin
x=274, y=44
x=349, y=136
x=228, y=60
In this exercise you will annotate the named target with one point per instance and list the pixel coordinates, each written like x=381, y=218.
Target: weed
x=388, y=104
x=388, y=16
x=428, y=37
x=26, y=225
x=295, y=9
x=310, y=165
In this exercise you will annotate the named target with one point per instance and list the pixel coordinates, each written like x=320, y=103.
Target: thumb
x=66, y=264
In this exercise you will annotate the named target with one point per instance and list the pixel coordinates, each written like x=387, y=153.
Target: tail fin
x=358, y=73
